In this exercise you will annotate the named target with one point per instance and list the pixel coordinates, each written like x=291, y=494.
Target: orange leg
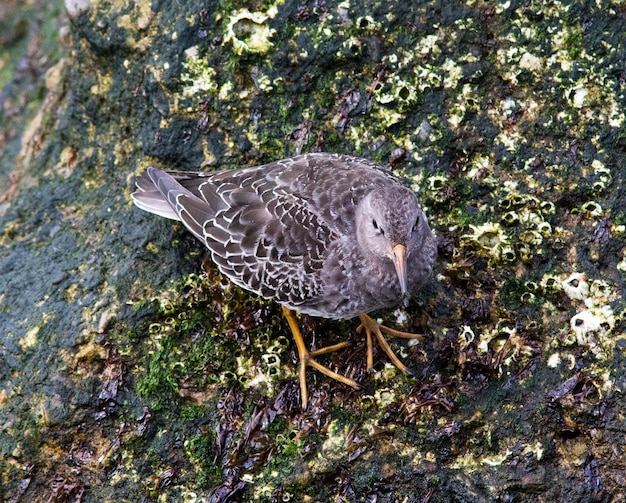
x=307, y=358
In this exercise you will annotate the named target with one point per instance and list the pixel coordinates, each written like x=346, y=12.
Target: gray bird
x=322, y=234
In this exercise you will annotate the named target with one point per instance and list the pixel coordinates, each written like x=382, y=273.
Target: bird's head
x=391, y=226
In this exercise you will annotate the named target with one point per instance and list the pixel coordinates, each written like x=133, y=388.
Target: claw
x=373, y=328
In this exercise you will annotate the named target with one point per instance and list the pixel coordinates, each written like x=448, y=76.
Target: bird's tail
x=160, y=193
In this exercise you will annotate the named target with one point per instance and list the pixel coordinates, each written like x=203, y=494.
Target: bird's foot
x=307, y=358
x=374, y=329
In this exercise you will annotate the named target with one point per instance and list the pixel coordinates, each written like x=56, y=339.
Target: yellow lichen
x=30, y=339
x=199, y=77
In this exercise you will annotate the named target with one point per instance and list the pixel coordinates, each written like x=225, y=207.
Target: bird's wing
x=149, y=198
x=262, y=236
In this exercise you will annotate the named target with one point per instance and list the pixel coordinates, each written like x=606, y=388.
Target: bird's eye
x=377, y=227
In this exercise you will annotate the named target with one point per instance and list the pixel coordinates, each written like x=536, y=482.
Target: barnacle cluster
x=273, y=355
x=408, y=75
x=592, y=325
x=500, y=346
x=247, y=32
x=263, y=367
x=519, y=227
x=602, y=175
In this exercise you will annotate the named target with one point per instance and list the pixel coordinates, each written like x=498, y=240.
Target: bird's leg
x=307, y=358
x=373, y=328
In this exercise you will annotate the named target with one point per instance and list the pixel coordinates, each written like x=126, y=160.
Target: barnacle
x=249, y=32
x=437, y=182
x=279, y=344
x=524, y=251
x=466, y=336
x=397, y=90
x=465, y=339
x=251, y=375
x=528, y=212
x=545, y=229
x=604, y=177
x=367, y=23
x=497, y=338
x=272, y=362
x=531, y=286
x=440, y=189
x=262, y=341
x=531, y=238
x=510, y=218
x=487, y=239
x=505, y=344
x=529, y=245
x=227, y=376
x=384, y=397
x=547, y=207
x=516, y=200
x=550, y=283
x=508, y=254
x=591, y=327
x=576, y=287
x=592, y=209
x=271, y=357
x=598, y=186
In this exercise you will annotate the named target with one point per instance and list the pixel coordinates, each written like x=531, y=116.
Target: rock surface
x=129, y=371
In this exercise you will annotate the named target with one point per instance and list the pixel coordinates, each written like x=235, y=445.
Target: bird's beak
x=399, y=261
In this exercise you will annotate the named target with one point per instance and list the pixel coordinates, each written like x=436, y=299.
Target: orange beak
x=399, y=261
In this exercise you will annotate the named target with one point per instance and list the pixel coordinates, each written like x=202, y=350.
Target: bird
x=325, y=235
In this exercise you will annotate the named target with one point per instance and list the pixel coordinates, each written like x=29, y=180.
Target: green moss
x=574, y=41
x=289, y=451
x=343, y=417
x=191, y=412
x=200, y=452
x=158, y=384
